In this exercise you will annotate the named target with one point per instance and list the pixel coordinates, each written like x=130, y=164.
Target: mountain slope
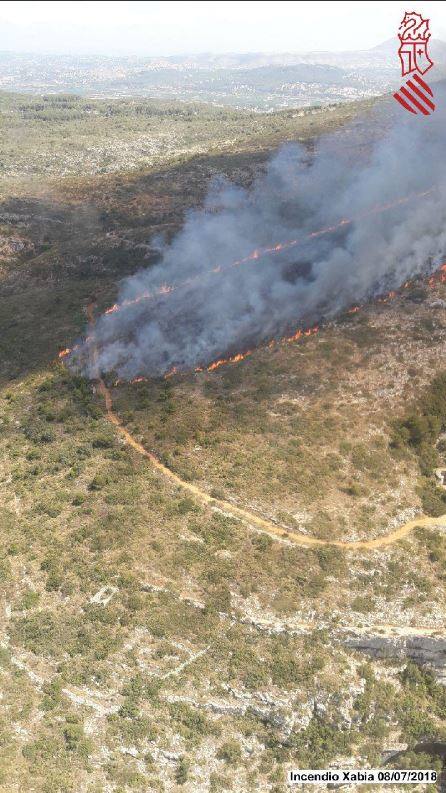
x=151, y=641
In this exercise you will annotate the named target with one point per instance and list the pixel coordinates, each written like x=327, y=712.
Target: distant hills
x=259, y=81
x=383, y=55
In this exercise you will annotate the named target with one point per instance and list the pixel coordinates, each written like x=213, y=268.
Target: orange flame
x=240, y=356
x=139, y=380
x=387, y=297
x=438, y=277
x=258, y=252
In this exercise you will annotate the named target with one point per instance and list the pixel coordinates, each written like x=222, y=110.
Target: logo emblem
x=414, y=37
x=414, y=34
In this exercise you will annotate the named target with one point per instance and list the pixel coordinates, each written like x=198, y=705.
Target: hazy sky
x=172, y=28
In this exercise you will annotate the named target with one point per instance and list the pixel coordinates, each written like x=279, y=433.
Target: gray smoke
x=217, y=315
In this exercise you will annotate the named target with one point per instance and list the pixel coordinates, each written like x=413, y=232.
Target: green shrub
x=29, y=599
x=186, y=505
x=103, y=442
x=419, y=430
x=192, y=724
x=320, y=742
x=74, y=737
x=98, y=482
x=52, y=694
x=433, y=498
x=362, y=604
x=230, y=752
x=182, y=771
x=420, y=760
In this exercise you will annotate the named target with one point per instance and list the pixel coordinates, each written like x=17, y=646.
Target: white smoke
x=219, y=314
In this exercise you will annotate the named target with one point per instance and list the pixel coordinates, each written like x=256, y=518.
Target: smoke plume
x=214, y=314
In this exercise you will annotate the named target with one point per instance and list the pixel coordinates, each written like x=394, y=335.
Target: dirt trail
x=249, y=518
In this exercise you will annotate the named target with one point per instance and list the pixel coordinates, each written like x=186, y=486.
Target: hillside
x=64, y=135
x=153, y=640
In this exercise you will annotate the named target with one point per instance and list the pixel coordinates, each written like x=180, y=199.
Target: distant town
x=260, y=82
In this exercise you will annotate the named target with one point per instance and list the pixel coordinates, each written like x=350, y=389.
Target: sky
x=144, y=28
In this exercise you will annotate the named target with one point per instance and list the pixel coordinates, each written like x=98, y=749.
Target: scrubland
x=151, y=643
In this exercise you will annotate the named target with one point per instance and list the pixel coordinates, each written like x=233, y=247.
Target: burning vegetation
x=225, y=287
x=300, y=435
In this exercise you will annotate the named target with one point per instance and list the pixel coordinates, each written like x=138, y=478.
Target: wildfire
x=222, y=361
x=112, y=309
x=386, y=298
x=438, y=277
x=166, y=289
x=241, y=356
x=143, y=296
x=299, y=333
x=139, y=380
x=68, y=350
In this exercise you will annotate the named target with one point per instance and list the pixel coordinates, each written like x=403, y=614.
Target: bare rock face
x=422, y=649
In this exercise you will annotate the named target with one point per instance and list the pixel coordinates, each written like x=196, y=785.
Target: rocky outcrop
x=422, y=649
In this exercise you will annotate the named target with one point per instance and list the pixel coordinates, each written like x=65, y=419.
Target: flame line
x=438, y=277
x=249, y=519
x=258, y=253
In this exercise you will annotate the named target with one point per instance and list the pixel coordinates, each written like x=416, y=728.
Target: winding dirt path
x=249, y=518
